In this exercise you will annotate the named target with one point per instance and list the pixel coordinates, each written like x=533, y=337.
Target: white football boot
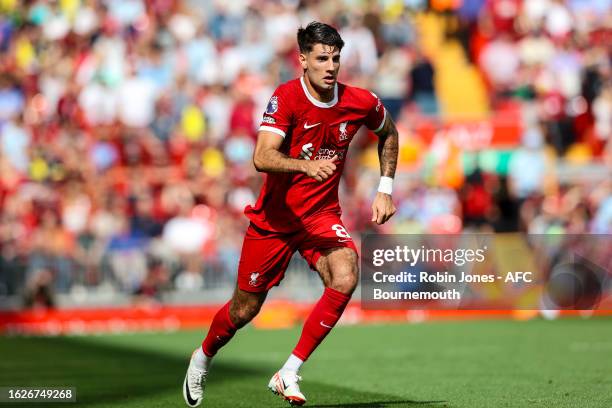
x=285, y=384
x=193, y=386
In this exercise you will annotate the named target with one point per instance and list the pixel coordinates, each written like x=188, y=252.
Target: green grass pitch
x=563, y=363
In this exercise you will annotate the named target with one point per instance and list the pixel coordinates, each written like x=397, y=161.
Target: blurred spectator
x=39, y=291
x=423, y=87
x=530, y=156
x=499, y=61
x=359, y=55
x=392, y=79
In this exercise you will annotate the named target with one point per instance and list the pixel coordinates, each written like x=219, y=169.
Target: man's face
x=322, y=65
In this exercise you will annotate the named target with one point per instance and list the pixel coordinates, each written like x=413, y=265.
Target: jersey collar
x=316, y=102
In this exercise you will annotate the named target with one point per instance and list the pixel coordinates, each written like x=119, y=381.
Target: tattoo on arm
x=388, y=147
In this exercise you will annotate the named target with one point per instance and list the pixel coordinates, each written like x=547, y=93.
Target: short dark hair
x=318, y=33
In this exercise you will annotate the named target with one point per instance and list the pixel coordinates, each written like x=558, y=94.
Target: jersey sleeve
x=377, y=114
x=277, y=117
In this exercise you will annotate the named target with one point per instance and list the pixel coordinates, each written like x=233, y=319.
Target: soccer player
x=301, y=145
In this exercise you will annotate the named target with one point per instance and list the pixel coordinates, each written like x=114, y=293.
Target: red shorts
x=266, y=255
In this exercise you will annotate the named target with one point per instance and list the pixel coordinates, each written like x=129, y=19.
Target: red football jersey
x=312, y=130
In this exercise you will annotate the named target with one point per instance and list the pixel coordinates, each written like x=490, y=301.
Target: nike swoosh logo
x=324, y=325
x=280, y=384
x=344, y=240
x=190, y=400
x=307, y=126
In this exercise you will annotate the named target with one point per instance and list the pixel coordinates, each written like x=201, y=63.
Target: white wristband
x=385, y=185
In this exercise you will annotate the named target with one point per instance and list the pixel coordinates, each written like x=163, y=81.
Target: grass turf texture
x=563, y=363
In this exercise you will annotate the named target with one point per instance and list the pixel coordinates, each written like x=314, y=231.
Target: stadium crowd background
x=127, y=128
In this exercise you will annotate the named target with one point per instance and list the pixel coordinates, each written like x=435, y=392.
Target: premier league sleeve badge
x=272, y=105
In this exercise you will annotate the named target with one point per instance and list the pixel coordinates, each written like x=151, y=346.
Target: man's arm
x=267, y=158
x=388, y=146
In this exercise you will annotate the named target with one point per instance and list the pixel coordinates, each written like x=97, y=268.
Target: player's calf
x=245, y=306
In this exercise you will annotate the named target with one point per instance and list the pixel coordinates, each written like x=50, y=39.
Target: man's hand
x=382, y=208
x=320, y=169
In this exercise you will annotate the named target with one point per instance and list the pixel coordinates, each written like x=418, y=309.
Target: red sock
x=322, y=319
x=221, y=331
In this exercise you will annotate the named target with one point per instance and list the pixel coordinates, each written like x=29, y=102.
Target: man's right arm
x=268, y=158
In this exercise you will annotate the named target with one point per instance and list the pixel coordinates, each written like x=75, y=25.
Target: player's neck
x=324, y=96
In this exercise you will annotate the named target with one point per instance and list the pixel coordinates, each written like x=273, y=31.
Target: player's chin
x=328, y=83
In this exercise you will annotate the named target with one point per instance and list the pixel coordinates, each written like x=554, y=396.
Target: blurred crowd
x=127, y=128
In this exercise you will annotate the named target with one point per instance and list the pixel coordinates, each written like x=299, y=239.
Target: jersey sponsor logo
x=328, y=154
x=272, y=105
x=253, y=280
x=269, y=119
x=307, y=126
x=343, y=132
x=307, y=151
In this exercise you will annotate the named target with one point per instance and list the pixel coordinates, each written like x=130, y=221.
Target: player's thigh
x=329, y=249
x=263, y=260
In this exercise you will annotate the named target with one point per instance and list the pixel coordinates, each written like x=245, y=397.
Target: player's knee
x=345, y=279
x=344, y=271
x=345, y=283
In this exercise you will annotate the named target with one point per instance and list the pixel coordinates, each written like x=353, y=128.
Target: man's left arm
x=388, y=146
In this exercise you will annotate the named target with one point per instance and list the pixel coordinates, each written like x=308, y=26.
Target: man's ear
x=302, y=58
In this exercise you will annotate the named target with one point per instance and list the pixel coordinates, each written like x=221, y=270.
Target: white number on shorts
x=340, y=231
